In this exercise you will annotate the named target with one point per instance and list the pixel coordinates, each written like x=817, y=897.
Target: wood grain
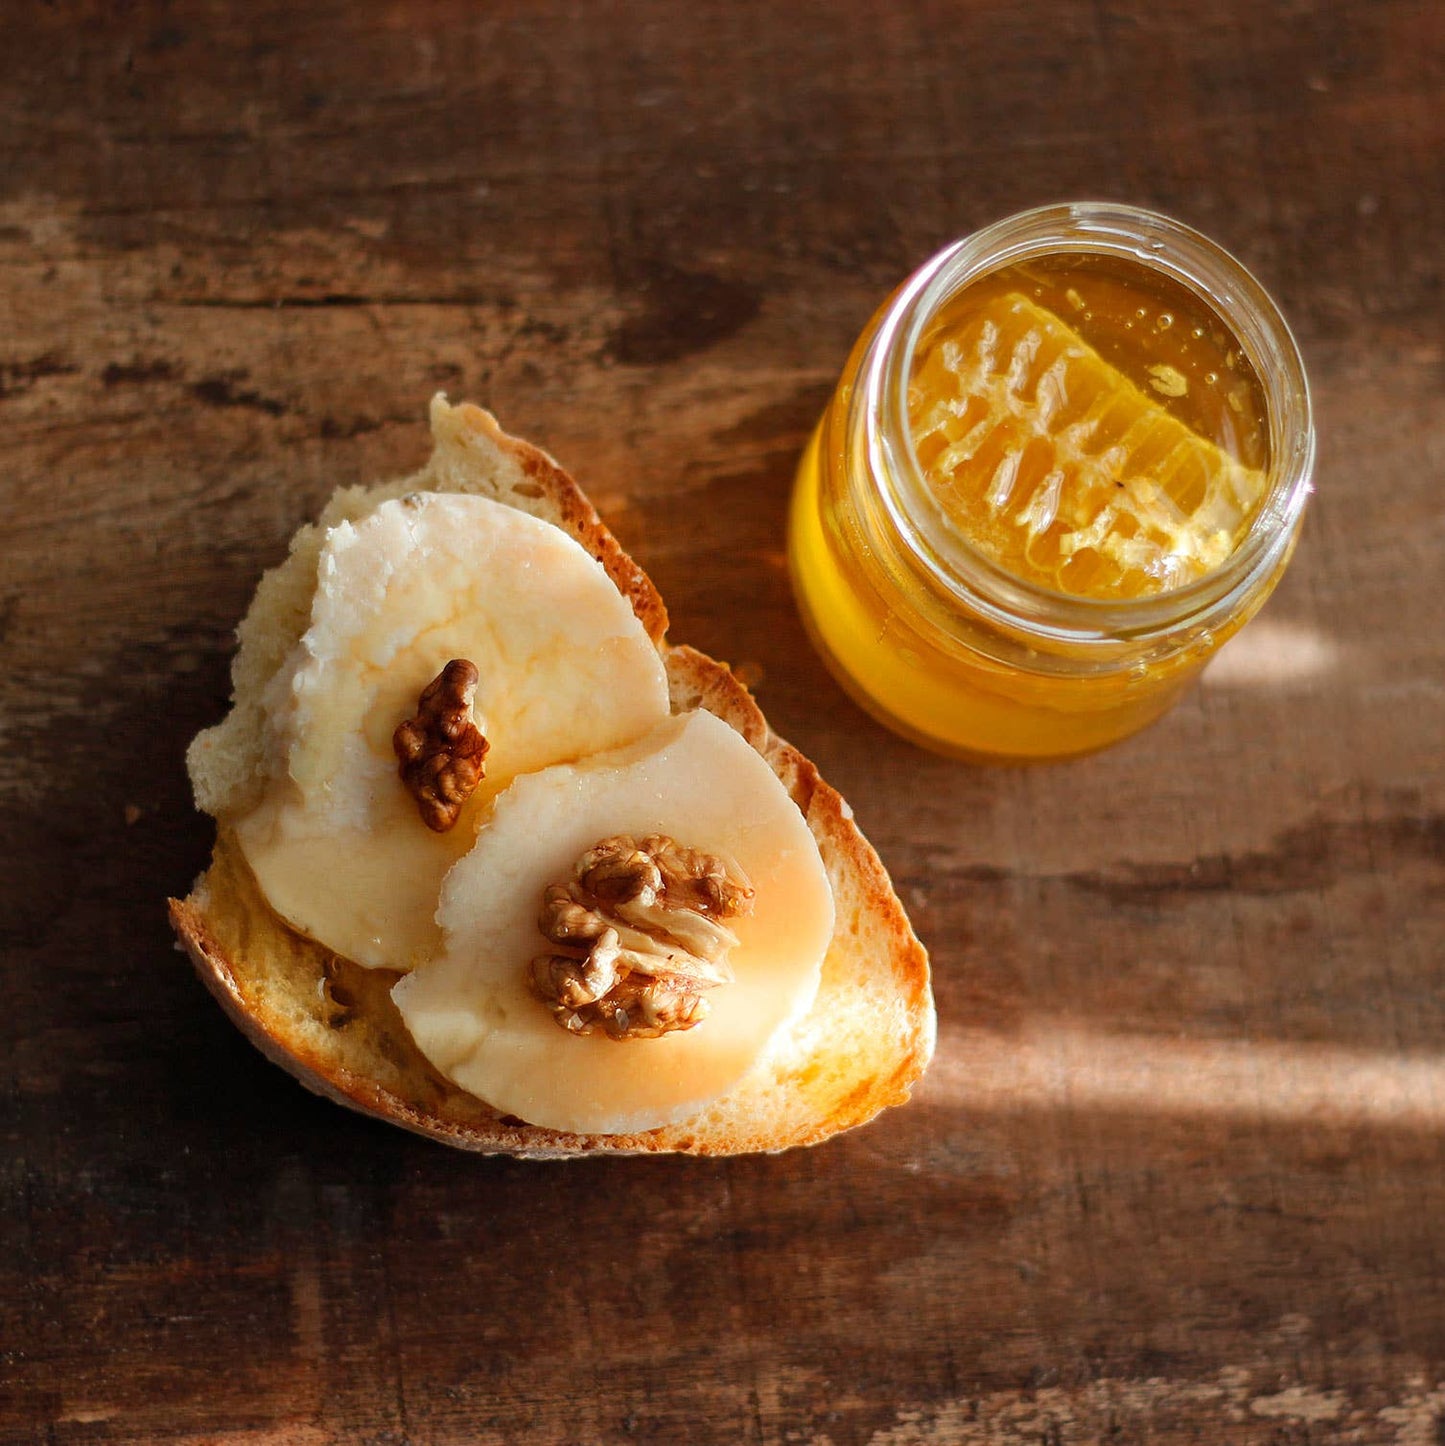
x=1177, y=1172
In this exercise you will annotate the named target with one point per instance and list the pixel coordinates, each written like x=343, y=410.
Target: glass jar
x=936, y=639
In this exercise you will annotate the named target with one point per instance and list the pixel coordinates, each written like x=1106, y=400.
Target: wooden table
x=1176, y=1173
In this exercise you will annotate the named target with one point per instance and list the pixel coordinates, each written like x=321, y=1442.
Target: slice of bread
x=333, y=1024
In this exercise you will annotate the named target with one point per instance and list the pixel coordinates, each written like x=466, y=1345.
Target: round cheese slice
x=470, y=1010
x=337, y=844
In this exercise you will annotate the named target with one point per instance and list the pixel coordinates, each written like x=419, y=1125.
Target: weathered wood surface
x=1177, y=1172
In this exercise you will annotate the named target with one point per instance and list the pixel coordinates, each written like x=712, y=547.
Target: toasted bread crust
x=873, y=1022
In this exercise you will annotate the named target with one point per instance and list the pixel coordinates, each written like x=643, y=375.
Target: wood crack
x=337, y=300
x=1310, y=856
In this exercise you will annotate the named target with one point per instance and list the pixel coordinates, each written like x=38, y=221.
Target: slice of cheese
x=337, y=843
x=470, y=1010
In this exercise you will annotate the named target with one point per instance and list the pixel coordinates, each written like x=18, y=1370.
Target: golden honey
x=1063, y=465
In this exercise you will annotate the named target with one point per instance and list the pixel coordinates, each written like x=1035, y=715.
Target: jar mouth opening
x=1187, y=258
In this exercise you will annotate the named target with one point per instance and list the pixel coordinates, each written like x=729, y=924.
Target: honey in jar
x=1065, y=462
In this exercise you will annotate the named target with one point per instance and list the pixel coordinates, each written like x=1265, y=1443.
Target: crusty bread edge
x=694, y=680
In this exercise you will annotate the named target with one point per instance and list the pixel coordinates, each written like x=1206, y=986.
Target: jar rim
x=1187, y=258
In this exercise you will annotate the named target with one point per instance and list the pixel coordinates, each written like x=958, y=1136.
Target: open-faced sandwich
x=497, y=863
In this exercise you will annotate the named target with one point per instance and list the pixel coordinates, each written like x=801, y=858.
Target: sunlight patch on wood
x=1053, y=1064
x=1273, y=655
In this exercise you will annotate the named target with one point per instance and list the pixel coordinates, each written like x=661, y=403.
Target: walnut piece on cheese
x=640, y=927
x=441, y=751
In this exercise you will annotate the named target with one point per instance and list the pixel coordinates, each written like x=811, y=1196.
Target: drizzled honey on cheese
x=564, y=669
x=472, y=1011
x=437, y=604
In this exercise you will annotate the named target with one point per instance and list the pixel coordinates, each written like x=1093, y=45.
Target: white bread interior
x=861, y=1047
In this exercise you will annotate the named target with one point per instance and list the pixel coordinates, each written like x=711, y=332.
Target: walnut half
x=441, y=750
x=641, y=938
